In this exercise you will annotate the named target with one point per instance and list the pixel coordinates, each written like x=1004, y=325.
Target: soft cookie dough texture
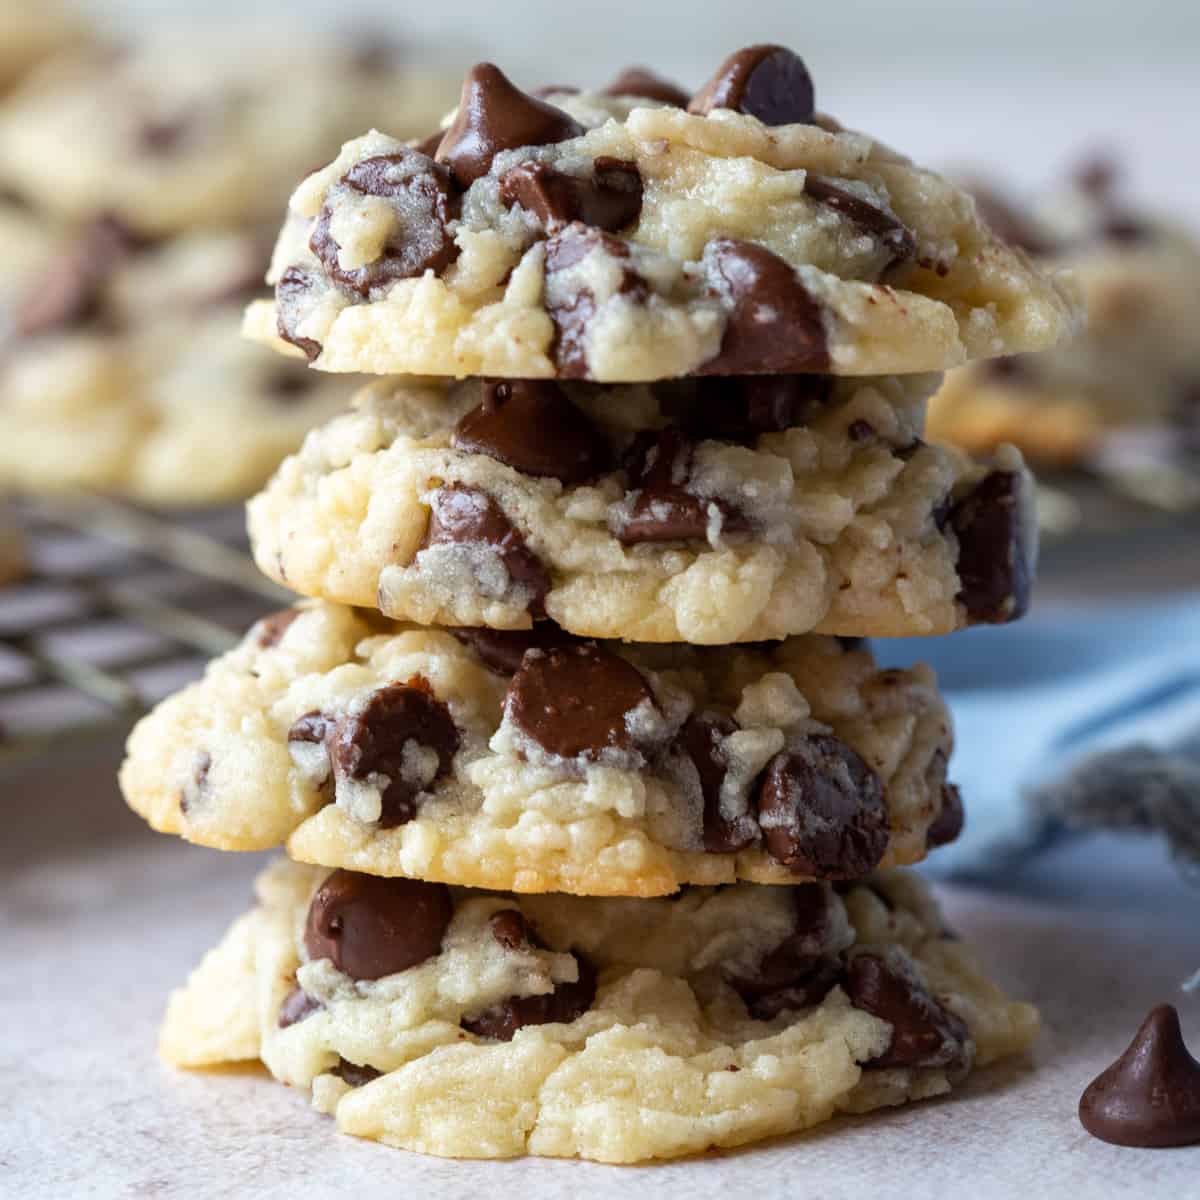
x=620, y=238
x=494, y=1026
x=615, y=770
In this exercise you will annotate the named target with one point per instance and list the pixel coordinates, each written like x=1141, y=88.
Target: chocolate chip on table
x=925, y=1034
x=353, y=1074
x=424, y=200
x=884, y=226
x=701, y=742
x=503, y=649
x=609, y=198
x=773, y=325
x=391, y=737
x=494, y=115
x=638, y=81
x=767, y=82
x=464, y=516
x=567, y=1003
x=576, y=702
x=369, y=927
x=269, y=631
x=531, y=426
x=662, y=509
x=822, y=810
x=741, y=408
x=297, y=1005
x=994, y=568
x=292, y=291
x=1150, y=1096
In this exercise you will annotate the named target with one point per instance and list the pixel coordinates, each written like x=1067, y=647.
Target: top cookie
x=169, y=138
x=633, y=234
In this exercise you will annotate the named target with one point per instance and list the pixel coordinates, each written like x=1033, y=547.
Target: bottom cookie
x=484, y=1025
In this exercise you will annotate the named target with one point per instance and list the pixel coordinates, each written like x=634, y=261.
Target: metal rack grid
x=118, y=609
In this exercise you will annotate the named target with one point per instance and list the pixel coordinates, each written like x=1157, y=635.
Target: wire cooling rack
x=118, y=608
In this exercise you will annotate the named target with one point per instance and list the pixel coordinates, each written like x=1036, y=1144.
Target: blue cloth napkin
x=1066, y=721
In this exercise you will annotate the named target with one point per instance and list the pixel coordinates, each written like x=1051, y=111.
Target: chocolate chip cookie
x=30, y=33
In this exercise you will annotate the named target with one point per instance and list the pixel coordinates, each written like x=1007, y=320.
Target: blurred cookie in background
x=31, y=32
x=12, y=548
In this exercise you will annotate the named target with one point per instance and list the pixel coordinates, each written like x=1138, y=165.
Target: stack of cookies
x=595, y=802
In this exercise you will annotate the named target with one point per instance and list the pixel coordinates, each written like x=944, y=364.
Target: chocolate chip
x=353, y=1074
x=610, y=198
x=741, y=408
x=463, y=516
x=403, y=736
x=565, y=1004
x=948, y=824
x=1097, y=176
x=925, y=1034
x=822, y=811
x=1011, y=368
x=292, y=293
x=297, y=1005
x=503, y=649
x=71, y=291
x=767, y=82
x=423, y=200
x=1125, y=229
x=773, y=324
x=531, y=426
x=165, y=136
x=638, y=81
x=701, y=742
x=884, y=226
x=269, y=632
x=313, y=727
x=660, y=508
x=576, y=702
x=193, y=791
x=492, y=116
x=803, y=968
x=510, y=930
x=995, y=570
x=861, y=431
x=370, y=927
x=287, y=387
x=1151, y=1095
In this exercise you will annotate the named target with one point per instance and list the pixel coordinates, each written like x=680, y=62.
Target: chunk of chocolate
x=402, y=736
x=701, y=742
x=423, y=201
x=463, y=516
x=568, y=1002
x=194, y=790
x=370, y=927
x=610, y=198
x=638, y=81
x=948, y=824
x=1151, y=1095
x=510, y=930
x=160, y=137
x=661, y=508
x=925, y=1034
x=531, y=426
x=268, y=633
x=879, y=223
x=494, y=115
x=773, y=326
x=995, y=559
x=822, y=811
x=741, y=408
x=293, y=296
x=353, y=1074
x=297, y=1005
x=503, y=649
x=578, y=702
x=767, y=82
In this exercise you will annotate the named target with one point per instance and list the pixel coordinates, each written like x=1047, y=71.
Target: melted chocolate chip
x=1151, y=1095
x=803, y=968
x=566, y=1003
x=610, y=198
x=297, y=1005
x=531, y=426
x=924, y=1032
x=637, y=81
x=773, y=325
x=884, y=226
x=270, y=630
x=576, y=702
x=701, y=742
x=949, y=822
x=313, y=727
x=741, y=408
x=464, y=516
x=370, y=927
x=291, y=293
x=503, y=649
x=423, y=200
x=510, y=930
x=767, y=82
x=353, y=1074
x=661, y=508
x=994, y=568
x=164, y=136
x=492, y=116
x=822, y=811
x=391, y=737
